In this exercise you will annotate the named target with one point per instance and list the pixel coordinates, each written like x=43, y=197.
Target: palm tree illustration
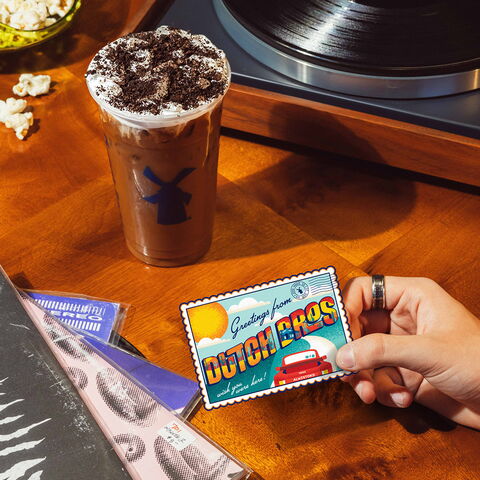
x=170, y=198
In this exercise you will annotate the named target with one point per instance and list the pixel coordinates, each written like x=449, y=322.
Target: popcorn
x=33, y=14
x=20, y=122
x=12, y=110
x=26, y=20
x=33, y=85
x=11, y=114
x=59, y=7
x=10, y=107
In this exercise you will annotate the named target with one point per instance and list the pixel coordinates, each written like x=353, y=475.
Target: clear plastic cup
x=164, y=168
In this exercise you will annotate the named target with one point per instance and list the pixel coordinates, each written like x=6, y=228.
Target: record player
x=394, y=82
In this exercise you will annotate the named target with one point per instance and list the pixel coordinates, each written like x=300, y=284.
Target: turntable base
x=353, y=134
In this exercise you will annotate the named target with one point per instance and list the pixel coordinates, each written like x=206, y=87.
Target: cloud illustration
x=276, y=317
x=209, y=342
x=246, y=304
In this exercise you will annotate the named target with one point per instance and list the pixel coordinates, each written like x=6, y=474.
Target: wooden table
x=281, y=210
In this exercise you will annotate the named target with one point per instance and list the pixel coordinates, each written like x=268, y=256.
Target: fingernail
x=399, y=399
x=359, y=390
x=346, y=358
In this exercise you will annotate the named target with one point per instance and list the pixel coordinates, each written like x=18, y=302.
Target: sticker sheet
x=267, y=338
x=152, y=442
x=67, y=412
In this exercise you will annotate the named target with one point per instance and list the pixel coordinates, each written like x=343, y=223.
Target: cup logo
x=171, y=199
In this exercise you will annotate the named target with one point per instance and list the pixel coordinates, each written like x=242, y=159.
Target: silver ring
x=378, y=292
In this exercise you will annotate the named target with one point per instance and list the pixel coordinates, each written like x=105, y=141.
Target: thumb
x=414, y=352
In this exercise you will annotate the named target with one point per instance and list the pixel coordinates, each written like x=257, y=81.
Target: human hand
x=425, y=346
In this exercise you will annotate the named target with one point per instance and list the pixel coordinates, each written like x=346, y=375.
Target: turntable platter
x=391, y=37
x=398, y=49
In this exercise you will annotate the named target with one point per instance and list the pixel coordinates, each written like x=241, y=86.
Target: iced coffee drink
x=160, y=97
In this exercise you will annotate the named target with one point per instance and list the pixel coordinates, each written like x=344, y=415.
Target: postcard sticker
x=267, y=338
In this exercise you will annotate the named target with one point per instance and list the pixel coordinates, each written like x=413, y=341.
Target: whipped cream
x=164, y=72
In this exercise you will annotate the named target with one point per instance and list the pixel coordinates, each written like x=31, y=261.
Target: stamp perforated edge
x=253, y=288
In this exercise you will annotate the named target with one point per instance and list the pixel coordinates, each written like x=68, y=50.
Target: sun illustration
x=208, y=321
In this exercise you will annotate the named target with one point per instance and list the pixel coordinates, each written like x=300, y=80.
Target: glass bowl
x=15, y=39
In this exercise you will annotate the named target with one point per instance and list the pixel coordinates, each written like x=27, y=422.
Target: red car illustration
x=301, y=366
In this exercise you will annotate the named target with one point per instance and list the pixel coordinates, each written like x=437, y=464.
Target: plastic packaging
x=97, y=316
x=179, y=393
x=152, y=441
x=46, y=429
x=84, y=314
x=102, y=318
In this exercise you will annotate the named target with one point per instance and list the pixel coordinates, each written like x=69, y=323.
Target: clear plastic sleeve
x=97, y=316
x=179, y=393
x=151, y=440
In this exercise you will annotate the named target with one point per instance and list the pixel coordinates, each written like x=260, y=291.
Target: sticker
x=176, y=435
x=267, y=338
x=95, y=316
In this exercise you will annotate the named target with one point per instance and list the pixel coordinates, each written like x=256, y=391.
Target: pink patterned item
x=152, y=442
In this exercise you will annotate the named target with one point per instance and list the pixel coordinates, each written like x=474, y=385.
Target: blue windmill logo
x=170, y=198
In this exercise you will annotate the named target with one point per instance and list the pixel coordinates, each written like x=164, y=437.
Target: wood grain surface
x=352, y=133
x=280, y=211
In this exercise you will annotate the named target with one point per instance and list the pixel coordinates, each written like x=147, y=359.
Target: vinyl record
x=384, y=38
